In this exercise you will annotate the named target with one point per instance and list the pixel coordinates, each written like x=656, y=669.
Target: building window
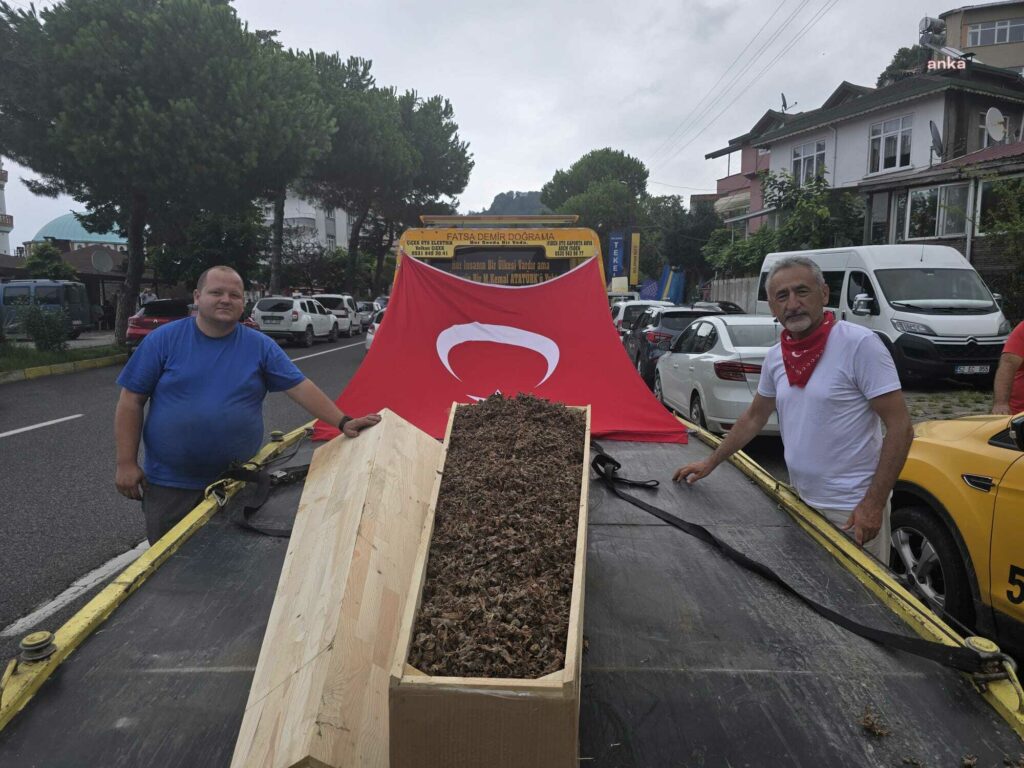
x=808, y=161
x=332, y=243
x=937, y=211
x=329, y=214
x=995, y=32
x=890, y=145
x=879, y=218
x=992, y=203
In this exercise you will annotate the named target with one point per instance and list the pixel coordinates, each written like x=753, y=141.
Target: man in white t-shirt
x=834, y=384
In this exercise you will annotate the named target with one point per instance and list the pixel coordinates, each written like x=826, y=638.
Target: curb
x=61, y=368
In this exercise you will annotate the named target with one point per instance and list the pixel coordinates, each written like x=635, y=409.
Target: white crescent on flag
x=451, y=337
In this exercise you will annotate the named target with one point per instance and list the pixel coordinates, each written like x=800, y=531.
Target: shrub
x=46, y=329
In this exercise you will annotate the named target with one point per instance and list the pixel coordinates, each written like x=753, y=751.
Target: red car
x=160, y=312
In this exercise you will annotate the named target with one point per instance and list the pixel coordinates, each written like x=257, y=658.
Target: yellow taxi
x=958, y=522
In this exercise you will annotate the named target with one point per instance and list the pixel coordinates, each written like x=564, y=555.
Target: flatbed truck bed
x=690, y=660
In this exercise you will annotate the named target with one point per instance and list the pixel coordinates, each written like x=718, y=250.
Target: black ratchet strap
x=962, y=658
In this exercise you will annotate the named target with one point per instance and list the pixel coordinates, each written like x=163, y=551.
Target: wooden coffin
x=320, y=692
x=462, y=722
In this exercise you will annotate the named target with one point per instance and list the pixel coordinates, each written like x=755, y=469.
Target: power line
x=678, y=186
x=721, y=77
x=803, y=30
x=735, y=80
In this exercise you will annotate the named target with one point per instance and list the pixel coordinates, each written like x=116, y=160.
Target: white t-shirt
x=831, y=436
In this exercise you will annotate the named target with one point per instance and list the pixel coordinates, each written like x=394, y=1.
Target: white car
x=710, y=372
x=378, y=318
x=300, y=319
x=625, y=312
x=343, y=307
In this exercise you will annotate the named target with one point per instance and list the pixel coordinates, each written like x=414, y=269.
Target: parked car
x=378, y=318
x=152, y=316
x=617, y=297
x=710, y=372
x=382, y=301
x=299, y=319
x=624, y=313
x=957, y=527
x=343, y=307
x=366, y=311
x=50, y=296
x=653, y=333
x=728, y=307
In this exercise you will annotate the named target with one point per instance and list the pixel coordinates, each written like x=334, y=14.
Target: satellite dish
x=786, y=105
x=995, y=124
x=102, y=262
x=936, y=138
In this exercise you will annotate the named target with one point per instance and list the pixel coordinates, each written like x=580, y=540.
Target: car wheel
x=307, y=337
x=657, y=389
x=333, y=335
x=925, y=556
x=697, y=412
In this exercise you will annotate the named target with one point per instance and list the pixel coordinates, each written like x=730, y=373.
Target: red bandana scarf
x=801, y=357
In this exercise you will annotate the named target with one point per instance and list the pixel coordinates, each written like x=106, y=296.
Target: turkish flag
x=446, y=339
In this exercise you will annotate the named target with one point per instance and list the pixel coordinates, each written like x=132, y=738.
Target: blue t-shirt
x=205, y=398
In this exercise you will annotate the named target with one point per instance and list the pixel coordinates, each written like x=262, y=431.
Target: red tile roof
x=996, y=152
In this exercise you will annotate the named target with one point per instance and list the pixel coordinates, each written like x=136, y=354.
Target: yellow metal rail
x=22, y=679
x=1005, y=696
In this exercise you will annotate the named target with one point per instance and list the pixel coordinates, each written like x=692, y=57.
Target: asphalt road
x=60, y=514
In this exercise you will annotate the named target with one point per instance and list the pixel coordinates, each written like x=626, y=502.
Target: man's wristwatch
x=344, y=420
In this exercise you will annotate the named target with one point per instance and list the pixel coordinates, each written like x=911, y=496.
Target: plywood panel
x=319, y=696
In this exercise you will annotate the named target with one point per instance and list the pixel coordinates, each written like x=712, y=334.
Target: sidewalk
x=87, y=339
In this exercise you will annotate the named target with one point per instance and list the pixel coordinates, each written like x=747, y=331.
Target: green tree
x=813, y=215
x=517, y=204
x=676, y=236
x=607, y=189
x=1003, y=222
x=211, y=239
x=906, y=62
x=810, y=215
x=599, y=167
x=44, y=260
x=368, y=154
x=145, y=109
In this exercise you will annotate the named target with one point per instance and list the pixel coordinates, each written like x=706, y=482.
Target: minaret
x=6, y=221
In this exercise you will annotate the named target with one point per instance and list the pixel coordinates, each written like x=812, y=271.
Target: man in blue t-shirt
x=205, y=378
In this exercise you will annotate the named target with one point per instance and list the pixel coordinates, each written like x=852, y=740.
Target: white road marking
x=38, y=426
x=317, y=354
x=80, y=587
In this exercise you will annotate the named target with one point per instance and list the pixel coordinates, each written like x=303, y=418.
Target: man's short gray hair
x=795, y=261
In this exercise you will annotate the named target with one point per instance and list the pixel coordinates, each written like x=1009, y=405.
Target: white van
x=930, y=307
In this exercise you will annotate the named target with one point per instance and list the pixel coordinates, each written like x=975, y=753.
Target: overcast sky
x=535, y=84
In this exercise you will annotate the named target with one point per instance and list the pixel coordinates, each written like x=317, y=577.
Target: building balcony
x=734, y=183
x=6, y=222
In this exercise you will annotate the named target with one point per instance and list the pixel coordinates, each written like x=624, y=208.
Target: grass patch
x=15, y=357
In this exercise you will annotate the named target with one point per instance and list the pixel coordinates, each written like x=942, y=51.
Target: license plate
x=271, y=319
x=969, y=369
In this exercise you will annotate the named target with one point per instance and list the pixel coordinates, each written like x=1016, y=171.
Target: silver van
x=50, y=296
